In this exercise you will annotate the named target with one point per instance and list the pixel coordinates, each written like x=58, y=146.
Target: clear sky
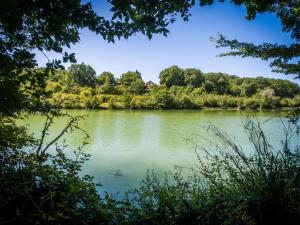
x=187, y=45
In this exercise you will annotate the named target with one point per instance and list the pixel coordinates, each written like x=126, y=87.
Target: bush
x=231, y=102
x=183, y=102
x=269, y=102
x=228, y=187
x=42, y=188
x=199, y=102
x=163, y=100
x=112, y=103
x=210, y=101
x=251, y=103
x=296, y=101
x=127, y=101
x=64, y=100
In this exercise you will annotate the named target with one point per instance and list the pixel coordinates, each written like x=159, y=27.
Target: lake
x=125, y=144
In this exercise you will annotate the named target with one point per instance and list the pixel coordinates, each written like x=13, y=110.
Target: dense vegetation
x=79, y=87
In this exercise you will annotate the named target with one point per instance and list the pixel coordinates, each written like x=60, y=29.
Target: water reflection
x=125, y=144
x=130, y=129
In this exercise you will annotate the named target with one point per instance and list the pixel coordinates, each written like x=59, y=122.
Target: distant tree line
x=80, y=87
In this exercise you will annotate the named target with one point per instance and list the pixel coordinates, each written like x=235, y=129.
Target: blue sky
x=187, y=45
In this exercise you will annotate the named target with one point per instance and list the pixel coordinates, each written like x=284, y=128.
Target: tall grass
x=227, y=187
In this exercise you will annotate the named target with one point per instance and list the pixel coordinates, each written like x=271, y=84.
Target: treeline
x=80, y=87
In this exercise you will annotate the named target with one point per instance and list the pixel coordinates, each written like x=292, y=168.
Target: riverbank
x=169, y=101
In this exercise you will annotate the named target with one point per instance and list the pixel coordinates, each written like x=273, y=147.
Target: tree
x=83, y=75
x=193, y=77
x=134, y=81
x=137, y=86
x=107, y=82
x=129, y=77
x=106, y=78
x=43, y=25
x=22, y=90
x=172, y=76
x=217, y=83
x=284, y=88
x=283, y=57
x=54, y=25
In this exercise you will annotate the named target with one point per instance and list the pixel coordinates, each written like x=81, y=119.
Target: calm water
x=125, y=144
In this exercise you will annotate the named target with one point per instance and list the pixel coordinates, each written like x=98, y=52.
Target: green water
x=125, y=144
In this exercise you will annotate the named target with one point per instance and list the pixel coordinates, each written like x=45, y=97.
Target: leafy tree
x=284, y=88
x=54, y=25
x=130, y=77
x=162, y=99
x=172, y=76
x=234, y=87
x=283, y=57
x=217, y=90
x=249, y=87
x=64, y=77
x=137, y=86
x=107, y=82
x=134, y=81
x=53, y=86
x=43, y=25
x=193, y=77
x=106, y=78
x=217, y=83
x=83, y=75
x=22, y=90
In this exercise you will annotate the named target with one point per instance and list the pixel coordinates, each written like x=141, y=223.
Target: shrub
x=231, y=102
x=227, y=187
x=112, y=103
x=251, y=103
x=198, y=102
x=296, y=101
x=139, y=102
x=42, y=188
x=269, y=102
x=183, y=102
x=285, y=102
x=210, y=101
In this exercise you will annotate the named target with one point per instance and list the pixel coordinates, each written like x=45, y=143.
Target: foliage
x=172, y=76
x=193, y=77
x=107, y=82
x=39, y=187
x=130, y=77
x=42, y=25
x=106, y=78
x=283, y=57
x=22, y=90
x=83, y=75
x=227, y=187
x=54, y=25
x=198, y=90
